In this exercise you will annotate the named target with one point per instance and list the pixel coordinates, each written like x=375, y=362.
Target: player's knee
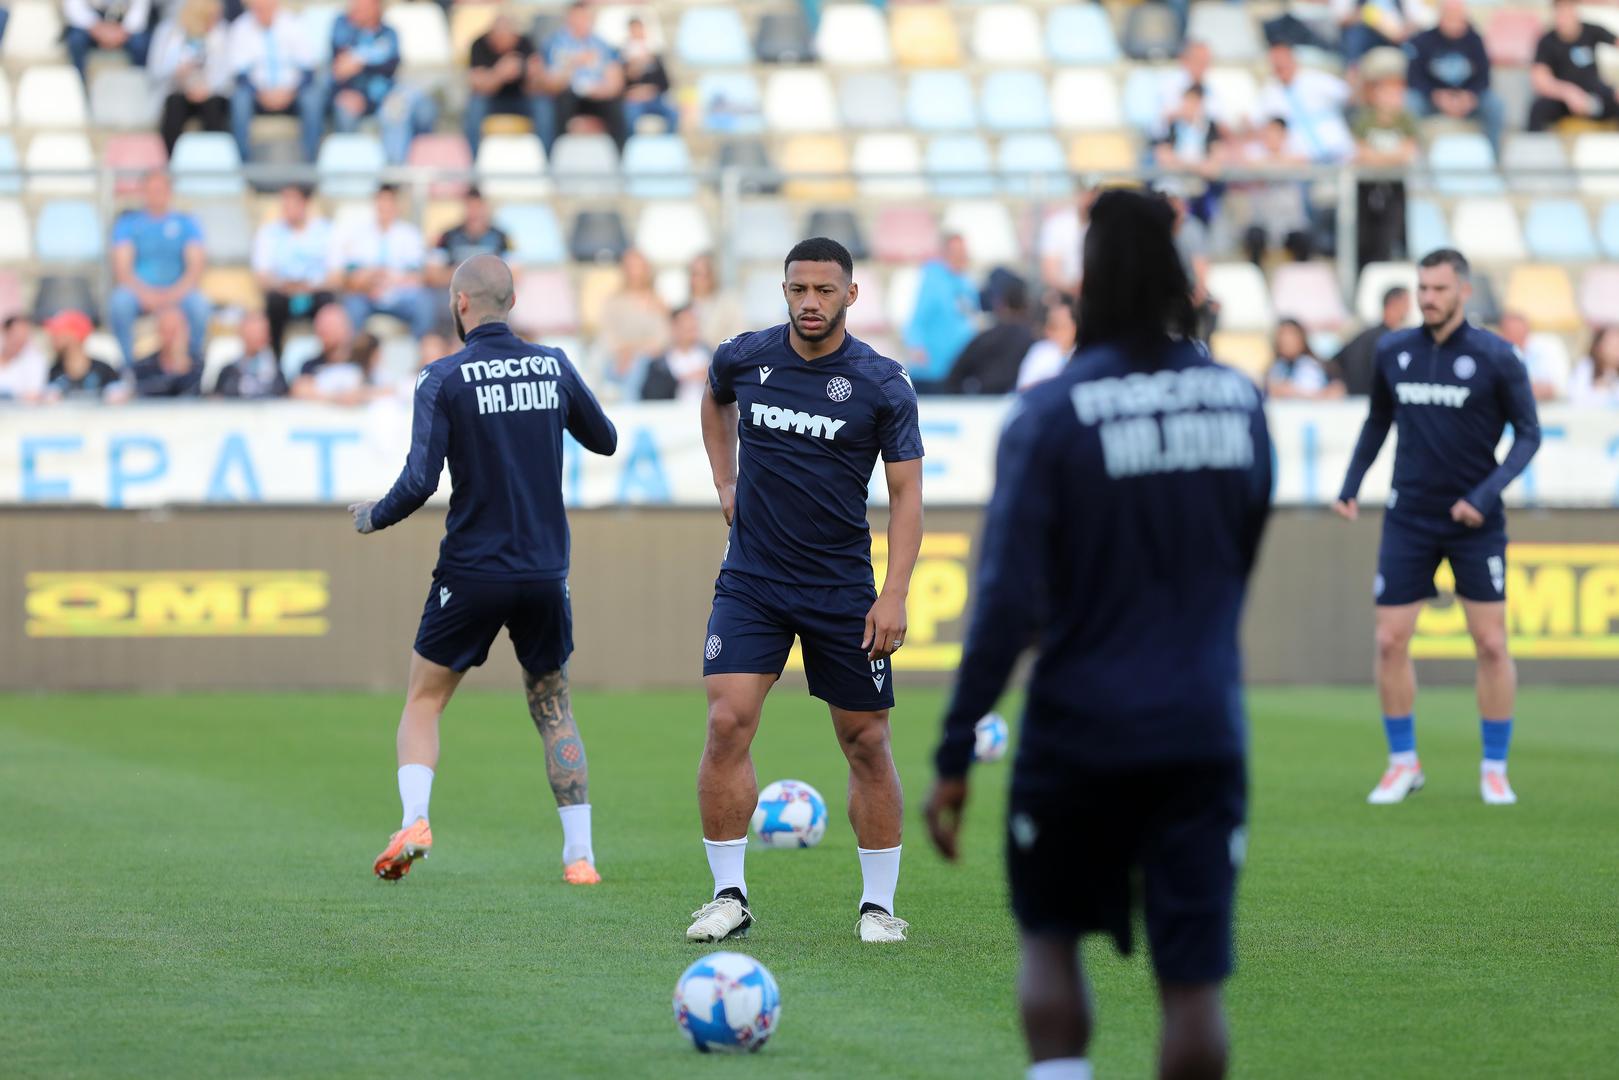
x=867, y=744
x=1491, y=646
x=1195, y=1044
x=1393, y=643
x=730, y=730
x=1194, y=1057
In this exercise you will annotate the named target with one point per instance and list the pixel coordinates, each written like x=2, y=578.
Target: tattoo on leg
x=565, y=764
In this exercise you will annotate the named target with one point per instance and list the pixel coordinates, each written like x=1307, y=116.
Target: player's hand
x=728, y=501
x=1348, y=509
x=362, y=516
x=1466, y=513
x=946, y=802
x=885, y=627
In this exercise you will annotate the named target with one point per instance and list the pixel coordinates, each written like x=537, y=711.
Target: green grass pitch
x=186, y=891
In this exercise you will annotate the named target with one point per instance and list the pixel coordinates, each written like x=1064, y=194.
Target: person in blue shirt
x=157, y=262
x=794, y=421
x=1131, y=493
x=1450, y=74
x=1452, y=389
x=945, y=316
x=585, y=74
x=365, y=59
x=496, y=411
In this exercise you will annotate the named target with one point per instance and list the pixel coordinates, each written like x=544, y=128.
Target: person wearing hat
x=76, y=374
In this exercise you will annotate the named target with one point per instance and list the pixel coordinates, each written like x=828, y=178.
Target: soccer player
x=1131, y=492
x=1451, y=388
x=812, y=408
x=496, y=410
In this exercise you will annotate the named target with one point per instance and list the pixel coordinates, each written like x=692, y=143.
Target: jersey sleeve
x=722, y=372
x=1378, y=421
x=898, y=431
x=429, y=442
x=587, y=422
x=1517, y=400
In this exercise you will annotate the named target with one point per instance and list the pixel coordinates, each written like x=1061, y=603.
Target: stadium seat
x=1511, y=35
x=317, y=20
x=64, y=292
x=51, y=96
x=840, y=225
x=1599, y=295
x=762, y=230
x=987, y=228
x=853, y=35
x=1085, y=99
x=535, y=236
x=1081, y=34
x=1015, y=101
x=760, y=176
x=68, y=231
x=783, y=38
x=1553, y=349
x=1243, y=296
x=1425, y=227
x=11, y=301
x=1103, y=152
x=673, y=232
x=761, y=297
x=800, y=99
x=925, y=36
x=121, y=99
x=658, y=167
x=1250, y=353
x=712, y=37
x=1228, y=29
x=903, y=285
x=818, y=165
x=888, y=166
x=231, y=287
x=1463, y=164
x=424, y=34
x=1141, y=101
x=1535, y=162
x=7, y=116
x=227, y=233
x=513, y=167
x=1484, y=306
x=1491, y=228
x=870, y=315
x=940, y=101
x=446, y=153
x=730, y=103
x=545, y=304
x=1236, y=90
x=959, y=167
x=10, y=167
x=598, y=236
x=206, y=164
x=585, y=165
x=468, y=23
x=871, y=101
x=613, y=23
x=1608, y=229
x=673, y=286
x=1559, y=230
x=1308, y=292
x=905, y=234
x=34, y=33
x=1376, y=279
x=1545, y=294
x=595, y=286
x=348, y=166
x=1596, y=161
x=1032, y=165
x=1007, y=34
x=15, y=236
x=1152, y=32
x=60, y=163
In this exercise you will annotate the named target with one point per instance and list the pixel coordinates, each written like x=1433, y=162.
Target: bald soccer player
x=496, y=410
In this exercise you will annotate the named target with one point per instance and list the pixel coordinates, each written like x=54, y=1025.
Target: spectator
x=157, y=261
x=1385, y=138
x=118, y=25
x=1275, y=209
x=1192, y=70
x=1547, y=364
x=1192, y=242
x=1450, y=74
x=1191, y=142
x=989, y=363
x=1375, y=24
x=1062, y=238
x=1296, y=373
x=584, y=74
x=378, y=264
x=634, y=323
x=476, y=235
x=172, y=371
x=272, y=64
x=290, y=262
x=682, y=372
x=76, y=375
x=943, y=320
x=1564, y=76
x=718, y=311
x=365, y=58
x=23, y=367
x=1595, y=382
x=337, y=374
x=1047, y=357
x=190, y=66
x=1357, y=361
x=1312, y=102
x=646, y=83
x=507, y=78
x=257, y=372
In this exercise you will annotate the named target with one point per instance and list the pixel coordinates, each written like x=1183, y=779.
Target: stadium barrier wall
x=285, y=598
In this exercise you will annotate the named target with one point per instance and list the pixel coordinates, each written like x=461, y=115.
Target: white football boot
x=1492, y=784
x=719, y=919
x=1397, y=783
x=877, y=925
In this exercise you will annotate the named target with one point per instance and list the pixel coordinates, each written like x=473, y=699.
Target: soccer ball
x=790, y=814
x=727, y=1002
x=990, y=738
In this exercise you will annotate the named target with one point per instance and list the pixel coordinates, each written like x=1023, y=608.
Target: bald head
x=482, y=290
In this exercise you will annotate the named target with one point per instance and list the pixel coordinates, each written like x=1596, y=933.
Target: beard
x=830, y=327
x=1444, y=316
x=460, y=327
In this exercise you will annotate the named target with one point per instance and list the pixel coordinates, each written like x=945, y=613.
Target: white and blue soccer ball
x=727, y=1002
x=990, y=738
x=790, y=814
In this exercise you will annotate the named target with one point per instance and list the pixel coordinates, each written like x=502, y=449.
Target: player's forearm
x=1525, y=443
x=720, y=439
x=995, y=640
x=904, y=539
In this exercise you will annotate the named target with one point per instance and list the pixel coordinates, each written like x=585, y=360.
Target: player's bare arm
x=719, y=441
x=552, y=712
x=885, y=622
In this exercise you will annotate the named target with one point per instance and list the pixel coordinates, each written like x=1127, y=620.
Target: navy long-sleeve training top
x=497, y=410
x=1127, y=514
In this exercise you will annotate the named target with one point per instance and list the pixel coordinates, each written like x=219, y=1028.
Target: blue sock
x=1497, y=737
x=1402, y=734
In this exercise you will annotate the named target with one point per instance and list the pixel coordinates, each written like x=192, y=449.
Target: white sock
x=415, y=789
x=725, y=860
x=879, y=873
x=1405, y=757
x=1060, y=1069
x=1493, y=766
x=576, y=834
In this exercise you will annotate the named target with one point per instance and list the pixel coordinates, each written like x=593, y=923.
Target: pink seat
x=444, y=152
x=1512, y=35
x=1309, y=293
x=545, y=304
x=870, y=315
x=905, y=234
x=133, y=155
x=11, y=302
x=1599, y=294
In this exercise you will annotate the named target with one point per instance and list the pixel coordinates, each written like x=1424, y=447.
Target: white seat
x=1492, y=229
x=1596, y=161
x=51, y=96
x=1375, y=280
x=853, y=35
x=762, y=303
x=1236, y=90
x=60, y=153
x=122, y=99
x=206, y=163
x=903, y=285
x=986, y=226
x=34, y=32
x=5, y=102
x=349, y=164
x=1243, y=296
x=424, y=34
x=1536, y=162
x=673, y=286
x=613, y=24
x=888, y=166
x=1008, y=34
x=1085, y=100
x=512, y=167
x=585, y=165
x=15, y=237
x=870, y=315
x=762, y=230
x=1229, y=30
x=671, y=233
x=800, y=99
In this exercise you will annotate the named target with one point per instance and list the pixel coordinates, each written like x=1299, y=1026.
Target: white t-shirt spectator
x=24, y=375
x=274, y=58
x=1044, y=360
x=1583, y=389
x=1062, y=237
x=298, y=255
x=134, y=16
x=365, y=247
x=1313, y=106
x=686, y=365
x=1546, y=360
x=1172, y=87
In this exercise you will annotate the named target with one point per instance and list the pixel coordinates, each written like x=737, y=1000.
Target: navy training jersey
x=1127, y=515
x=1452, y=401
x=809, y=432
x=497, y=410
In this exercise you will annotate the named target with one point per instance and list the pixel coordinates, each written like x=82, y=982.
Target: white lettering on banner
x=516, y=368
x=518, y=397
x=1185, y=442
x=1432, y=394
x=822, y=427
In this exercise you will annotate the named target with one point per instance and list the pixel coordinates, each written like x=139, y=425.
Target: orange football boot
x=407, y=845
x=581, y=872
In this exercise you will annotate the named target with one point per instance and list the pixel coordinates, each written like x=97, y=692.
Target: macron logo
x=421, y=378
x=822, y=427
x=443, y=596
x=1432, y=394
x=764, y=375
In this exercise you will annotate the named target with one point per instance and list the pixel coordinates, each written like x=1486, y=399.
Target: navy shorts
x=462, y=618
x=1083, y=855
x=754, y=621
x=1414, y=544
